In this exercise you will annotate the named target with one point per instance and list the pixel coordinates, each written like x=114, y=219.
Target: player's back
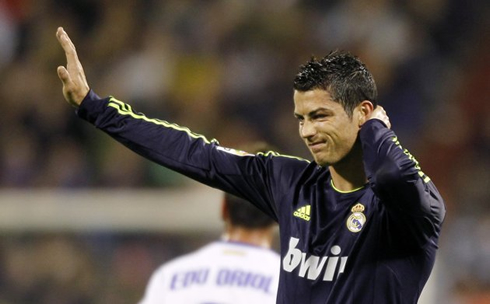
x=221, y=272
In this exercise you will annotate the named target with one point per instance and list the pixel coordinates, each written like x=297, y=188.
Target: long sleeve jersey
x=374, y=245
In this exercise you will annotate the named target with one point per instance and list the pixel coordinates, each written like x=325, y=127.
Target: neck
x=348, y=174
x=257, y=237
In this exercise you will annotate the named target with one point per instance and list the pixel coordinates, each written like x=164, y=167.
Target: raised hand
x=75, y=86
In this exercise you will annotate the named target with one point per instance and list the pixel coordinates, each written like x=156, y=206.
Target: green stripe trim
x=342, y=191
x=273, y=153
x=424, y=176
x=125, y=109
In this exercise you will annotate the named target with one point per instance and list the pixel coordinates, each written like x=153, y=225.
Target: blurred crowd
x=224, y=68
x=100, y=268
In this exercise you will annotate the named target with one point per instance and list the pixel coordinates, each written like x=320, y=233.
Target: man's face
x=324, y=125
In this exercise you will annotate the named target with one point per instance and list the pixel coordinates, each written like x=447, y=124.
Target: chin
x=322, y=162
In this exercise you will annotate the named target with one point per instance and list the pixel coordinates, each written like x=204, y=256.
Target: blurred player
x=359, y=224
x=240, y=268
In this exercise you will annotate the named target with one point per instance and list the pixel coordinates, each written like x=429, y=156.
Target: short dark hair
x=343, y=75
x=244, y=214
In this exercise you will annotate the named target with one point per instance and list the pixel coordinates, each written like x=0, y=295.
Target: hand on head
x=75, y=86
x=380, y=113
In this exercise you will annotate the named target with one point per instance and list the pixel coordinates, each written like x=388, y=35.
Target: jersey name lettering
x=186, y=279
x=238, y=278
x=223, y=278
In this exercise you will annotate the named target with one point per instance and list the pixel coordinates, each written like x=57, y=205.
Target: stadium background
x=83, y=220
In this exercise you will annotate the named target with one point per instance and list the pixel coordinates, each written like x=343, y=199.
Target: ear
x=364, y=111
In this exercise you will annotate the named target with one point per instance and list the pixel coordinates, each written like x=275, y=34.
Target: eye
x=319, y=116
x=300, y=119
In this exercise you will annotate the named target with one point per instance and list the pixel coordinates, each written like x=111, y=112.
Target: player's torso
x=331, y=242
x=321, y=227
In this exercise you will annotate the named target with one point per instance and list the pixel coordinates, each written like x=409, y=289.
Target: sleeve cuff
x=91, y=106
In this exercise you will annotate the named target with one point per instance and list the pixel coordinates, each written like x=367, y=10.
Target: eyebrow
x=312, y=113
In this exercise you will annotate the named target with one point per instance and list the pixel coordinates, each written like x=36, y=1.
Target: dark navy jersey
x=372, y=245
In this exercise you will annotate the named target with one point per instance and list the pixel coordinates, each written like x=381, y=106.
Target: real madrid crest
x=356, y=220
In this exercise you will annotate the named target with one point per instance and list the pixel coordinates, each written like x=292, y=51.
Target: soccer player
x=241, y=268
x=358, y=224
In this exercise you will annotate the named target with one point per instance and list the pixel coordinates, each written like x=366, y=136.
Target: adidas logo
x=303, y=212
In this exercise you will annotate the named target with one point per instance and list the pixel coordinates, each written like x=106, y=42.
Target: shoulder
x=272, y=156
x=188, y=259
x=266, y=158
x=248, y=253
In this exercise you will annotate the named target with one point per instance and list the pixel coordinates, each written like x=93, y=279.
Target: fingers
x=63, y=75
x=72, y=61
x=66, y=44
x=75, y=86
x=384, y=117
x=380, y=113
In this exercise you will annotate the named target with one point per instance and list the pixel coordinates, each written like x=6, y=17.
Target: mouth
x=316, y=146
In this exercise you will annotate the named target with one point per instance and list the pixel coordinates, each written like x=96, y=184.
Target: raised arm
x=397, y=179
x=256, y=178
x=75, y=86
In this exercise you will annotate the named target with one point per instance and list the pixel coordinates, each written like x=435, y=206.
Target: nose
x=307, y=129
